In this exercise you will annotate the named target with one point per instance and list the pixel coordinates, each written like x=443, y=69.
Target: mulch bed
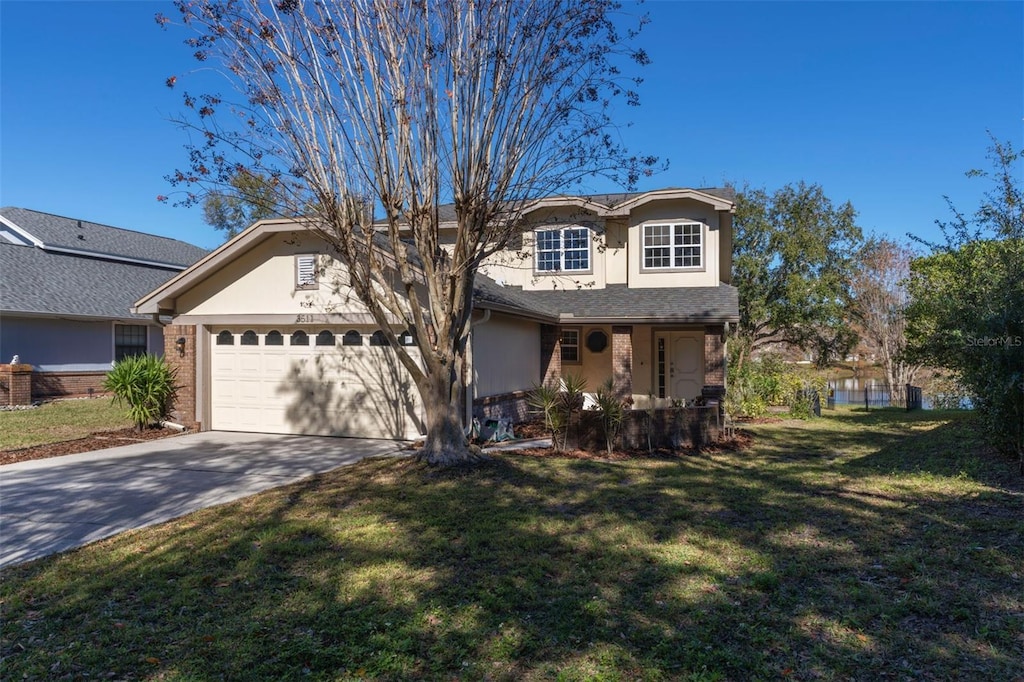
x=96, y=441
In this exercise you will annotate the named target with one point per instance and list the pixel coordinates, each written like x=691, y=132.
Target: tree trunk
x=445, y=444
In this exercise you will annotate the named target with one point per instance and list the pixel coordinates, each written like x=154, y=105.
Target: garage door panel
x=341, y=391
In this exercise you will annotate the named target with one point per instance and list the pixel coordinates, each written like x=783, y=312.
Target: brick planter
x=688, y=427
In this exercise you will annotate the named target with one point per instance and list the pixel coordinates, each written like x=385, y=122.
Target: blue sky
x=883, y=104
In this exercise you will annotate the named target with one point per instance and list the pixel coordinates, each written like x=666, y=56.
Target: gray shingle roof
x=617, y=302
x=44, y=282
x=82, y=235
x=446, y=212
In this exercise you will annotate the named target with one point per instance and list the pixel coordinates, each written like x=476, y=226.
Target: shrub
x=558, y=406
x=143, y=383
x=612, y=412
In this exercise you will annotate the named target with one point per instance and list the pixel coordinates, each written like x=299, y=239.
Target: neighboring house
x=66, y=291
x=629, y=287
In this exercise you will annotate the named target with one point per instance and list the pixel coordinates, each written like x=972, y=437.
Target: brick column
x=714, y=357
x=622, y=361
x=17, y=379
x=550, y=355
x=183, y=362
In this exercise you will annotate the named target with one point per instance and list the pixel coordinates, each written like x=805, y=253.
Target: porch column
x=181, y=358
x=550, y=355
x=17, y=380
x=622, y=361
x=714, y=359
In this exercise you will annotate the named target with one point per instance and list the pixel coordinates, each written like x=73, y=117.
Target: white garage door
x=310, y=381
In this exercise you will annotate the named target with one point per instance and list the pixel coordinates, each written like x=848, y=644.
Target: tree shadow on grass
x=718, y=566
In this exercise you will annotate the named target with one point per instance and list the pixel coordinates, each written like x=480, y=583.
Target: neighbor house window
x=563, y=250
x=129, y=339
x=305, y=272
x=571, y=345
x=672, y=246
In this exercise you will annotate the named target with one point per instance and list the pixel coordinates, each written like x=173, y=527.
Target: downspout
x=471, y=383
x=156, y=319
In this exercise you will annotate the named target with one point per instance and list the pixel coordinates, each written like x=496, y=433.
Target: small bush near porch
x=858, y=546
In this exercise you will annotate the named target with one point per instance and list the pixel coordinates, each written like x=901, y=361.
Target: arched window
x=300, y=338
x=225, y=338
x=406, y=338
x=249, y=338
x=325, y=338
x=352, y=338
x=378, y=339
x=274, y=338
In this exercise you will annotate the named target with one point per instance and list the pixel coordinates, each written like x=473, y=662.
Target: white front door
x=681, y=372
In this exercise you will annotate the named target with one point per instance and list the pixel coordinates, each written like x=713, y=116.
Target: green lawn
x=858, y=546
x=59, y=421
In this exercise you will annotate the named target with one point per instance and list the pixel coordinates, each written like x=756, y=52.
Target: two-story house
x=629, y=287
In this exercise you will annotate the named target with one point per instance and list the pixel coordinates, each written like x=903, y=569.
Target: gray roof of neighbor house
x=39, y=282
x=616, y=303
x=59, y=233
x=50, y=265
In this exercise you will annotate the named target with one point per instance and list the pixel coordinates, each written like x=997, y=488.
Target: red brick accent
x=16, y=381
x=59, y=384
x=183, y=361
x=550, y=355
x=714, y=357
x=622, y=360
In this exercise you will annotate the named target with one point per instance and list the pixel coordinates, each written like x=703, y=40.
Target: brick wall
x=714, y=357
x=622, y=361
x=59, y=384
x=183, y=410
x=504, y=406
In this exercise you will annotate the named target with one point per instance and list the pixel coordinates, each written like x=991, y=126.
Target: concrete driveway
x=51, y=505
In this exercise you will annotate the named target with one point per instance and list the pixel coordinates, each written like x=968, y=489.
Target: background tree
x=248, y=198
x=484, y=104
x=967, y=301
x=880, y=301
x=793, y=259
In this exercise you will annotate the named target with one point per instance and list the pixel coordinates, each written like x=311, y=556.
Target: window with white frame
x=129, y=339
x=570, y=346
x=306, y=272
x=673, y=246
x=564, y=249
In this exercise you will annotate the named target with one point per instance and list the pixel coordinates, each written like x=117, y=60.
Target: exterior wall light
x=180, y=343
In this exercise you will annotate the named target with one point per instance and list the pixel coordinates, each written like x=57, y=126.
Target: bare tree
x=880, y=306
x=485, y=104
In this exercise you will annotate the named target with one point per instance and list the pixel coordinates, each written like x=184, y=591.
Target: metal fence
x=877, y=395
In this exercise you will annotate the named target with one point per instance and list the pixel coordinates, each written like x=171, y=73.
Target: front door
x=681, y=371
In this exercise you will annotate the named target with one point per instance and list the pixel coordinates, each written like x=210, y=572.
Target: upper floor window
x=679, y=245
x=306, y=272
x=565, y=249
x=129, y=339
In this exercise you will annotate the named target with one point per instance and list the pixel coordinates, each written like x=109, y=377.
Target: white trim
x=21, y=231
x=672, y=246
x=561, y=230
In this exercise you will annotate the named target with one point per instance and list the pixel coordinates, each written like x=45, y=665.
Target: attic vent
x=82, y=237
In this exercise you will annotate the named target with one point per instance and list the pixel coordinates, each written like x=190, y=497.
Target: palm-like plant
x=145, y=384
